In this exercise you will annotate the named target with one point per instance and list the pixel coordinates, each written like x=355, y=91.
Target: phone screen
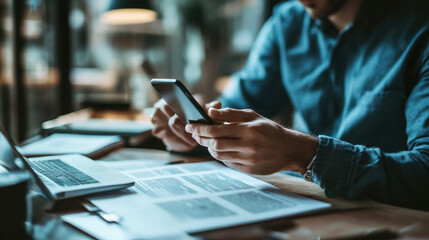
x=180, y=100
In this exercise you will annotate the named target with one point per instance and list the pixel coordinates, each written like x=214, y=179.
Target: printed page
x=126, y=165
x=198, y=197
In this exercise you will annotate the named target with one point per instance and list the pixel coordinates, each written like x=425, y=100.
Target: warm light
x=128, y=16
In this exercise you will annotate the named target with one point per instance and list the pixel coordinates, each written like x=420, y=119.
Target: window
x=72, y=58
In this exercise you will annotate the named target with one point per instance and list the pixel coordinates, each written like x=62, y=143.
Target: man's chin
x=324, y=10
x=315, y=14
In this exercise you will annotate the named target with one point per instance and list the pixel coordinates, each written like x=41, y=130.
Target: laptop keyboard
x=62, y=173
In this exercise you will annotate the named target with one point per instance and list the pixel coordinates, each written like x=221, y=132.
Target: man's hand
x=251, y=143
x=171, y=130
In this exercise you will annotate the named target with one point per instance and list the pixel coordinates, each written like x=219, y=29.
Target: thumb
x=232, y=115
x=215, y=104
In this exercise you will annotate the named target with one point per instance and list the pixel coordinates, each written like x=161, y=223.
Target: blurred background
x=59, y=56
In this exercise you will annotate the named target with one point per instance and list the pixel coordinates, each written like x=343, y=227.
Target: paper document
x=125, y=165
x=100, y=229
x=197, y=197
x=59, y=143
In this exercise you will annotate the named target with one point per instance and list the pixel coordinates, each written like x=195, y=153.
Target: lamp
x=127, y=12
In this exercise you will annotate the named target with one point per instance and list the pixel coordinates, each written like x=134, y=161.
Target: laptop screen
x=12, y=160
x=9, y=158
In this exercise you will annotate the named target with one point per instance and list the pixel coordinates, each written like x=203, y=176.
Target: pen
x=108, y=217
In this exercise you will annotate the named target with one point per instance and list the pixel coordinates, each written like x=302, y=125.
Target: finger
x=215, y=104
x=167, y=111
x=221, y=144
x=229, y=157
x=160, y=125
x=158, y=132
x=200, y=99
x=237, y=166
x=159, y=119
x=162, y=106
x=172, y=141
x=178, y=128
x=232, y=115
x=159, y=103
x=164, y=131
x=216, y=131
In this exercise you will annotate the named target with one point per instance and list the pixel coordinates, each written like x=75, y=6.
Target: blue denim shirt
x=364, y=91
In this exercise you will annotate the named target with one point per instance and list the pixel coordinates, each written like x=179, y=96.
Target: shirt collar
x=370, y=12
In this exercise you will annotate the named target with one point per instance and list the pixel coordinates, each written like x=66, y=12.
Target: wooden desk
x=88, y=113
x=348, y=219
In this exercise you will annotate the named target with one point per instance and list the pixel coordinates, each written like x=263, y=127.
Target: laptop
x=62, y=176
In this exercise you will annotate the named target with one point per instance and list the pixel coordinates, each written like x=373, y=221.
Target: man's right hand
x=171, y=130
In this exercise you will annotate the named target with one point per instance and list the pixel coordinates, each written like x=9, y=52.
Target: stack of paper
x=191, y=198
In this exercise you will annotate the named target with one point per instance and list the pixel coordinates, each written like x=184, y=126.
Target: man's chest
x=343, y=84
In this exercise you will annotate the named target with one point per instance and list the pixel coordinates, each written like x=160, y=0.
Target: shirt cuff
x=331, y=163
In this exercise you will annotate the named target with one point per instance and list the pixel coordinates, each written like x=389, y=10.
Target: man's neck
x=345, y=15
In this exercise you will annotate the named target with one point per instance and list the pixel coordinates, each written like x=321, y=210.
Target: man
x=357, y=73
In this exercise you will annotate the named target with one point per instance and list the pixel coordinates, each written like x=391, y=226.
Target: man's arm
x=400, y=178
x=254, y=144
x=259, y=85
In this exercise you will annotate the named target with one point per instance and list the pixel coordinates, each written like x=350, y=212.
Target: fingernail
x=188, y=128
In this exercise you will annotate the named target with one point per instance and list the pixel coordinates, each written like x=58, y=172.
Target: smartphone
x=180, y=100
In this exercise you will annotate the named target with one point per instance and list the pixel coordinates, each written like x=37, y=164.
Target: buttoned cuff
x=331, y=165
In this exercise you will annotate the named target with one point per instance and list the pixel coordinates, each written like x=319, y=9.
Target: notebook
x=91, y=146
